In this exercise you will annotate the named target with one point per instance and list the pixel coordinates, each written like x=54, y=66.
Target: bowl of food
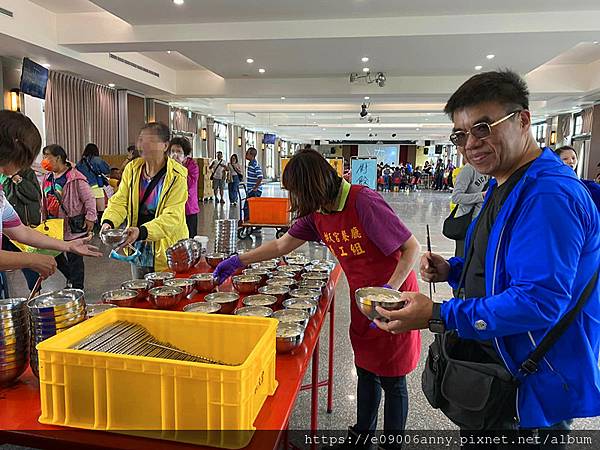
x=202, y=307
x=294, y=271
x=140, y=286
x=292, y=316
x=280, y=292
x=204, y=282
x=187, y=284
x=165, y=297
x=266, y=265
x=264, y=274
x=158, y=278
x=317, y=285
x=370, y=297
x=301, y=303
x=246, y=284
x=254, y=311
x=113, y=237
x=120, y=297
x=297, y=260
x=315, y=276
x=260, y=300
x=289, y=283
x=227, y=300
x=289, y=337
x=304, y=292
x=214, y=259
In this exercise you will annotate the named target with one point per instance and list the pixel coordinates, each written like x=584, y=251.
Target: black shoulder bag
x=153, y=182
x=77, y=224
x=479, y=393
x=455, y=228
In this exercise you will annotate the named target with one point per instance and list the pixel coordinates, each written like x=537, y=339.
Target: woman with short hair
x=180, y=149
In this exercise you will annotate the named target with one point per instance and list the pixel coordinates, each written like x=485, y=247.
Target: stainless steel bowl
x=292, y=316
x=289, y=337
x=264, y=274
x=315, y=276
x=289, y=283
x=303, y=292
x=180, y=257
x=317, y=285
x=204, y=282
x=296, y=259
x=56, y=303
x=120, y=297
x=202, y=307
x=114, y=237
x=267, y=265
x=370, y=297
x=260, y=300
x=303, y=304
x=9, y=373
x=246, y=284
x=158, y=278
x=140, y=286
x=165, y=296
x=187, y=284
x=280, y=292
x=214, y=259
x=227, y=300
x=254, y=311
x=98, y=308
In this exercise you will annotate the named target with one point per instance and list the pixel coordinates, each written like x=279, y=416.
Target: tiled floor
x=416, y=209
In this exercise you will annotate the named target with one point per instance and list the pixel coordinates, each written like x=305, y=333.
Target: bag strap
x=530, y=365
x=57, y=196
x=153, y=182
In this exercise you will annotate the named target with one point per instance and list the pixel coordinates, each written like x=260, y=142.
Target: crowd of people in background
x=403, y=176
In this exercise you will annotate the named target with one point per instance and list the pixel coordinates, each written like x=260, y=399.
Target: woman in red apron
x=374, y=248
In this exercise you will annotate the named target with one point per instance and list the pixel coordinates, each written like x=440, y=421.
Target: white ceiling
x=68, y=6
x=202, y=11
x=582, y=53
x=173, y=60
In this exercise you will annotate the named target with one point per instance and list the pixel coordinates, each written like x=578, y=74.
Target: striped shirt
x=254, y=174
x=9, y=217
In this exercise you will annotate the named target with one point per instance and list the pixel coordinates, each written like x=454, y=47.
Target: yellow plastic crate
x=162, y=398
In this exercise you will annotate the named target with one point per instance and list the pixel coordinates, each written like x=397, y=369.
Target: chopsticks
x=431, y=285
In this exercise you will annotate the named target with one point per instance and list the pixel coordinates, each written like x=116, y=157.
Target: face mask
x=46, y=165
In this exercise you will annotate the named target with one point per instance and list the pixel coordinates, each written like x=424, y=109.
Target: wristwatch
x=436, y=324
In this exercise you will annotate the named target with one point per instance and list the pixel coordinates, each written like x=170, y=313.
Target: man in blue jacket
x=531, y=253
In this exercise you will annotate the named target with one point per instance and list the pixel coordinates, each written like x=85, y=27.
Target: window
x=250, y=137
x=540, y=132
x=222, y=139
x=270, y=161
x=577, y=124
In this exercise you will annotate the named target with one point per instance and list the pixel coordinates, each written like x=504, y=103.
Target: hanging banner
x=337, y=164
x=364, y=171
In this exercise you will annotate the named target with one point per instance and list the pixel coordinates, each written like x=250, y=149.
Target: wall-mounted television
x=34, y=79
x=269, y=139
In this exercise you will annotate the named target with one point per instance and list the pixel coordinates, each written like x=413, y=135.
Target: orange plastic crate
x=269, y=211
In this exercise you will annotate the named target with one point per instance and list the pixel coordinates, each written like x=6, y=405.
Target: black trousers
x=71, y=266
x=191, y=221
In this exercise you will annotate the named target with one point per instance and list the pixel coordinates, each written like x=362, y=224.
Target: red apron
x=377, y=351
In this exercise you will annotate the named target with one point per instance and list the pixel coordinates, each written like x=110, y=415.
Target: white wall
x=34, y=109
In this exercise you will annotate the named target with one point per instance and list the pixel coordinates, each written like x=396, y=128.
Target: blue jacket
x=542, y=251
x=594, y=189
x=97, y=165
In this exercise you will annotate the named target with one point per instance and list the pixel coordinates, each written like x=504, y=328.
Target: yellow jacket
x=168, y=226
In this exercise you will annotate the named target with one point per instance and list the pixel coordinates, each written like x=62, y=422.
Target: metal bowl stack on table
x=53, y=313
x=254, y=311
x=187, y=284
x=184, y=255
x=304, y=292
x=260, y=300
x=292, y=316
x=246, y=284
x=140, y=286
x=204, y=282
x=94, y=309
x=227, y=300
x=14, y=339
x=120, y=297
x=158, y=278
x=202, y=307
x=301, y=303
x=370, y=297
x=226, y=236
x=289, y=337
x=280, y=292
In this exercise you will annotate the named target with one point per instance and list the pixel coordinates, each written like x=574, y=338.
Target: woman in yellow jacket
x=151, y=198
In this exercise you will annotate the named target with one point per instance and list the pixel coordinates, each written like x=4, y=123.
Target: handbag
x=478, y=395
x=455, y=228
x=77, y=224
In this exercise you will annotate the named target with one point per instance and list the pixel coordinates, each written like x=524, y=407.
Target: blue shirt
x=253, y=175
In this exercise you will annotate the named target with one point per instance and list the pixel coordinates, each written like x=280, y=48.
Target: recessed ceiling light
x=370, y=129
x=282, y=98
x=366, y=69
x=365, y=59
x=261, y=70
x=417, y=129
x=178, y=2
x=111, y=85
x=478, y=67
x=47, y=66
x=490, y=56
x=249, y=60
x=168, y=52
x=595, y=42
x=367, y=98
x=312, y=114
x=324, y=129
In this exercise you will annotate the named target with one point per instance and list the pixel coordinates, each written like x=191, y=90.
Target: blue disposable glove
x=227, y=268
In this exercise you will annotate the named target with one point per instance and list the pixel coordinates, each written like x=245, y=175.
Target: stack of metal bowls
x=226, y=236
x=14, y=339
x=53, y=313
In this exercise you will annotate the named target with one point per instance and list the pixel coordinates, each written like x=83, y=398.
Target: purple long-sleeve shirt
x=191, y=206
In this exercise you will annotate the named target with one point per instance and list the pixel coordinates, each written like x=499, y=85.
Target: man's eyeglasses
x=481, y=130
